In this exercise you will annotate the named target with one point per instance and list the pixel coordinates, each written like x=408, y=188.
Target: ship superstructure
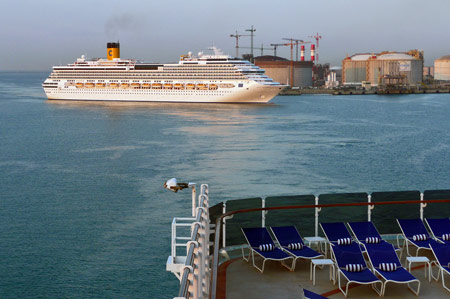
x=202, y=78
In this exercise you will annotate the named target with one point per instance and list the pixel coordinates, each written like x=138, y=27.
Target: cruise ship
x=216, y=78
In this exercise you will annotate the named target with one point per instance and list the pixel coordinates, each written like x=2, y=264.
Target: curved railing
x=195, y=273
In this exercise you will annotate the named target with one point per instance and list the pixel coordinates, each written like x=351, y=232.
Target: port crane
x=292, y=42
x=251, y=30
x=238, y=36
x=296, y=43
x=275, y=46
x=262, y=49
x=317, y=37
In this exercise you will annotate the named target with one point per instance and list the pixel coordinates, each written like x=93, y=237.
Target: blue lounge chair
x=346, y=257
x=366, y=233
x=288, y=237
x=439, y=228
x=442, y=254
x=385, y=263
x=413, y=230
x=261, y=243
x=311, y=295
x=335, y=231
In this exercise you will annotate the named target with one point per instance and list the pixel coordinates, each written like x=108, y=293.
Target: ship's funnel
x=113, y=50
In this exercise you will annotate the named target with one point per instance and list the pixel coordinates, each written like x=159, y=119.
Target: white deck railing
x=193, y=270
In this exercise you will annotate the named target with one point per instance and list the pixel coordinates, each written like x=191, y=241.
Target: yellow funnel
x=113, y=51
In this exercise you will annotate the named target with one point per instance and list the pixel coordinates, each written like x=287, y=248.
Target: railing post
x=263, y=213
x=203, y=241
x=174, y=240
x=316, y=217
x=422, y=206
x=224, y=226
x=194, y=198
x=205, y=194
x=369, y=208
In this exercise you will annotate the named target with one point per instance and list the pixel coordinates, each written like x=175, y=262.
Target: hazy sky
x=35, y=35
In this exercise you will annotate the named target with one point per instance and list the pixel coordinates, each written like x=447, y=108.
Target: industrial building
x=334, y=77
x=279, y=69
x=442, y=68
x=406, y=67
x=428, y=71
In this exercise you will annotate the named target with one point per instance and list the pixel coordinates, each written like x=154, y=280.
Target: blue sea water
x=82, y=208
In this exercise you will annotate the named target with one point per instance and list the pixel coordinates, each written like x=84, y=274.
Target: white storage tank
x=371, y=67
x=394, y=63
x=442, y=68
x=354, y=68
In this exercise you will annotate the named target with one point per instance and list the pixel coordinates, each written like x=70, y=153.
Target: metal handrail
x=221, y=217
x=188, y=265
x=189, y=258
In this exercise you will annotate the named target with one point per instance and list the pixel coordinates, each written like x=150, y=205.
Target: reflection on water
x=160, y=105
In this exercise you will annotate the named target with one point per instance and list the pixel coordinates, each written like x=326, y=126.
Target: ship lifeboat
x=190, y=86
x=202, y=86
x=135, y=85
x=113, y=85
x=146, y=85
x=213, y=87
x=124, y=85
x=89, y=85
x=100, y=85
x=226, y=85
x=178, y=86
x=79, y=85
x=167, y=86
x=156, y=86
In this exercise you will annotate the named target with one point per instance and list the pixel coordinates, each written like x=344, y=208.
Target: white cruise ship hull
x=214, y=78
x=251, y=93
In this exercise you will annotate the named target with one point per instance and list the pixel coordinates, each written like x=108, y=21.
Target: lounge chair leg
x=431, y=271
x=407, y=248
x=417, y=251
x=340, y=287
x=443, y=282
x=254, y=263
x=401, y=254
x=383, y=288
x=412, y=289
x=292, y=267
x=243, y=255
x=379, y=291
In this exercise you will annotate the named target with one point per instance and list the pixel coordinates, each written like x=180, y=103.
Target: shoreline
x=292, y=92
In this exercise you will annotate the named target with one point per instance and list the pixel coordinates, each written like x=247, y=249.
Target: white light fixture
x=174, y=186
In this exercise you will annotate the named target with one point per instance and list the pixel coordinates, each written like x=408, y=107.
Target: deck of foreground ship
x=214, y=267
x=239, y=279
